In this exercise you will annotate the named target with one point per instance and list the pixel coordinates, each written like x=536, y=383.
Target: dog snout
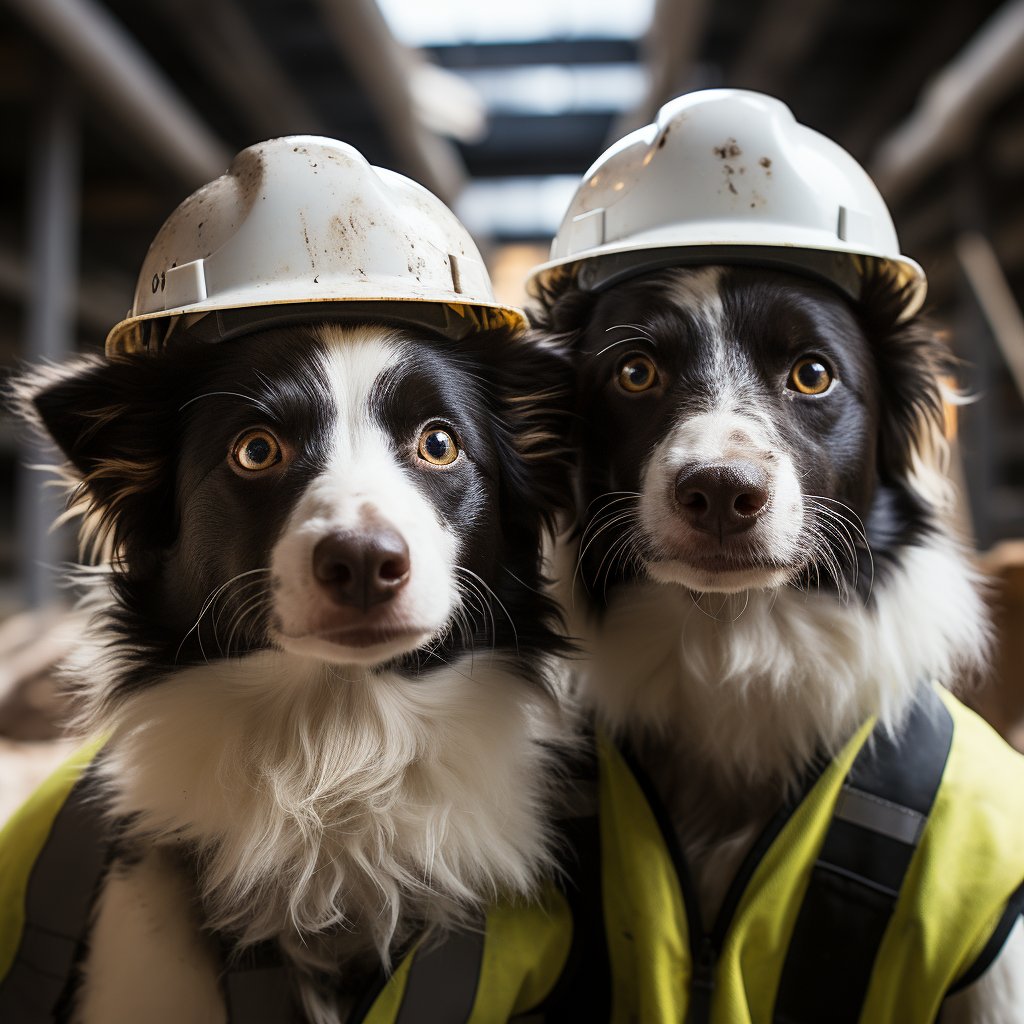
x=362, y=569
x=722, y=499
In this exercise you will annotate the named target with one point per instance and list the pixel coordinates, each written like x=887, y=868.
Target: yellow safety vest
x=961, y=892
x=617, y=941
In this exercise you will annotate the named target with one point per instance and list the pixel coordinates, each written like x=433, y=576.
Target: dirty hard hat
x=304, y=227
x=728, y=176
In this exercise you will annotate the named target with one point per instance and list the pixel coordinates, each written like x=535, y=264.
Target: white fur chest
x=321, y=796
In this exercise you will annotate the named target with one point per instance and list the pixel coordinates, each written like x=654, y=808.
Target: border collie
x=764, y=541
x=322, y=652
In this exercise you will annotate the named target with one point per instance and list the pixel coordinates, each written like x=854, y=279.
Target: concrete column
x=53, y=239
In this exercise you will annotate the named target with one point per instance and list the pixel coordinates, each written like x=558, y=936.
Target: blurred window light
x=549, y=89
x=509, y=264
x=521, y=207
x=447, y=103
x=455, y=22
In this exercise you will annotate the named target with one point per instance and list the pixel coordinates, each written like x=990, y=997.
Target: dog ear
x=113, y=419
x=535, y=396
x=561, y=311
x=916, y=371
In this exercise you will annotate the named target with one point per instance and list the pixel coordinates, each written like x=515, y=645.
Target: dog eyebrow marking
x=622, y=341
x=232, y=394
x=644, y=335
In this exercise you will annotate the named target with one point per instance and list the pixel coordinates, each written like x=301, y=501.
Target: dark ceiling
x=853, y=71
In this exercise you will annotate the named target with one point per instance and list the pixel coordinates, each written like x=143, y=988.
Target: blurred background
x=114, y=110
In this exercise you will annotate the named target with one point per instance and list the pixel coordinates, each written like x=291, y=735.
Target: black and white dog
x=763, y=541
x=322, y=651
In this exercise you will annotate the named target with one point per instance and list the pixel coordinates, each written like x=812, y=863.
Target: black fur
x=853, y=447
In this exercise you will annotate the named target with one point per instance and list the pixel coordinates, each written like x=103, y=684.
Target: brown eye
x=809, y=376
x=636, y=374
x=437, y=447
x=256, y=450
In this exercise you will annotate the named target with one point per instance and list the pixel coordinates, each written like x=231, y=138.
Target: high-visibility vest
x=893, y=879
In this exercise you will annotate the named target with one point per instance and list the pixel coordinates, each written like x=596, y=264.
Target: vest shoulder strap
x=57, y=904
x=64, y=880
x=442, y=982
x=256, y=986
x=855, y=883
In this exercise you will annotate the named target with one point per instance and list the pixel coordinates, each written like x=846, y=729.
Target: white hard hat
x=728, y=176
x=297, y=223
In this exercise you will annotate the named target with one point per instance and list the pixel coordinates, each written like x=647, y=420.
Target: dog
x=321, y=651
x=764, y=556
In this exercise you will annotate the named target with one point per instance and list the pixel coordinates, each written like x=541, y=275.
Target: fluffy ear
x=534, y=387
x=114, y=422
x=562, y=310
x=915, y=374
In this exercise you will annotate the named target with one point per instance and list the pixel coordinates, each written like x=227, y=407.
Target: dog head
x=353, y=494
x=749, y=429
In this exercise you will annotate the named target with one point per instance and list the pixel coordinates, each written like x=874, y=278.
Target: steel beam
x=954, y=105
x=995, y=298
x=99, y=304
x=121, y=76
x=382, y=67
x=222, y=38
x=931, y=43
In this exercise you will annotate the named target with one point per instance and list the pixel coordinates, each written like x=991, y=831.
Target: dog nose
x=361, y=569
x=722, y=499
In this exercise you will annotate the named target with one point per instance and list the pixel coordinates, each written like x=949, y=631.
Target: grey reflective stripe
x=443, y=979
x=861, y=867
x=258, y=995
x=58, y=902
x=879, y=815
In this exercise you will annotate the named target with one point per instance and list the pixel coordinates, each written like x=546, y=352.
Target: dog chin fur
x=728, y=581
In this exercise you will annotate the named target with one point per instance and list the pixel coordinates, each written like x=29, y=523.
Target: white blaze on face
x=726, y=430
x=365, y=484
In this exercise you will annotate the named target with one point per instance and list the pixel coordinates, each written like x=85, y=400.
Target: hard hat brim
x=615, y=263
x=455, y=319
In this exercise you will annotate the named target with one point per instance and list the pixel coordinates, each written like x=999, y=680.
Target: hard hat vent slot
x=184, y=285
x=453, y=262
x=855, y=227
x=586, y=230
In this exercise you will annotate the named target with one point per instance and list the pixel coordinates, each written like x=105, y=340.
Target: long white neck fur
x=751, y=686
x=321, y=796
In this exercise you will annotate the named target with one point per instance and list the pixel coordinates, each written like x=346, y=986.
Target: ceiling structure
x=132, y=105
